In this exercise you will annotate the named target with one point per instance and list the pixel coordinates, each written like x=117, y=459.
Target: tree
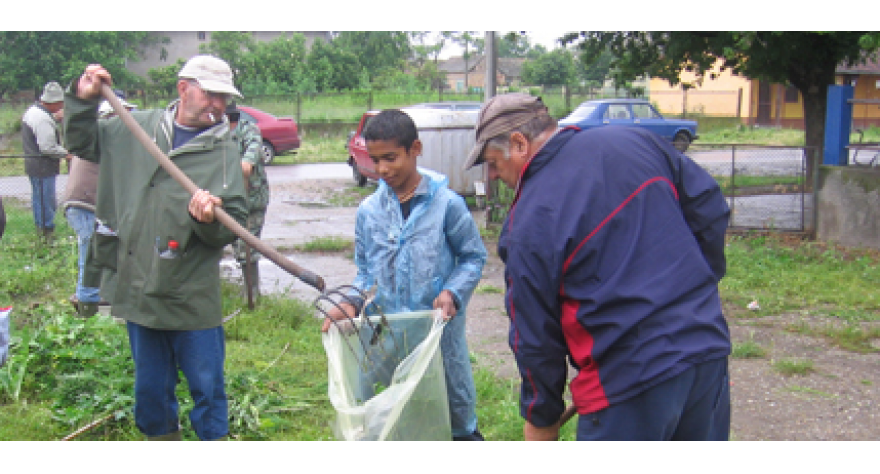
x=465, y=39
x=555, y=68
x=164, y=79
x=280, y=65
x=333, y=68
x=234, y=48
x=594, y=72
x=29, y=59
x=806, y=60
x=376, y=50
x=513, y=45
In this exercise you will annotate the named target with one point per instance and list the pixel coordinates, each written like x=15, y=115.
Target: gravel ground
x=836, y=400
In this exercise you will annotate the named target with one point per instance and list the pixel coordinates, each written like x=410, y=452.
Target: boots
x=251, y=275
x=87, y=310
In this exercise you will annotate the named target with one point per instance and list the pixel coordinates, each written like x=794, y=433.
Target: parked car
x=280, y=134
x=634, y=113
x=361, y=164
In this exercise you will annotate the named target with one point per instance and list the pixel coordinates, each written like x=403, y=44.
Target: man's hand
x=336, y=313
x=201, y=206
x=89, y=85
x=533, y=433
x=58, y=116
x=446, y=302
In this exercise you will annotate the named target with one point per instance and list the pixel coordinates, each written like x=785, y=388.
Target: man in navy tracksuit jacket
x=614, y=247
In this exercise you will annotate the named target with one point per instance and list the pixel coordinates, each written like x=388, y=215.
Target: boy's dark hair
x=392, y=124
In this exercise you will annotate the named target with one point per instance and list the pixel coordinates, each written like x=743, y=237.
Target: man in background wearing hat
x=613, y=250
x=250, y=142
x=41, y=142
x=165, y=245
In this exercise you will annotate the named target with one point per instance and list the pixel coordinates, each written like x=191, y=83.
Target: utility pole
x=491, y=65
x=488, y=92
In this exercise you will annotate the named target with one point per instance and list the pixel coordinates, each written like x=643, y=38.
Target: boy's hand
x=446, y=302
x=337, y=314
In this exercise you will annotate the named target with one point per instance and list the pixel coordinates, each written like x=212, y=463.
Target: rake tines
x=373, y=331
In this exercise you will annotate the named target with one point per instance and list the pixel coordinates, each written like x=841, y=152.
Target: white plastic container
x=447, y=137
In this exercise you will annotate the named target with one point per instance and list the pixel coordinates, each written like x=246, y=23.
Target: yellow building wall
x=866, y=87
x=725, y=95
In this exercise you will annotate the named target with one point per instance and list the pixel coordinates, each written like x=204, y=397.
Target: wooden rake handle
x=308, y=277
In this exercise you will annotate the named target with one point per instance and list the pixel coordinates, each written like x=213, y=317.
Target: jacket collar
x=431, y=182
x=548, y=151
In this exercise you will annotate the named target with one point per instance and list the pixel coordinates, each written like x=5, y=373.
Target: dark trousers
x=158, y=355
x=692, y=406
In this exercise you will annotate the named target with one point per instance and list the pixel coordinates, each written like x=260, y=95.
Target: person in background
x=78, y=205
x=41, y=142
x=165, y=244
x=613, y=249
x=416, y=241
x=247, y=135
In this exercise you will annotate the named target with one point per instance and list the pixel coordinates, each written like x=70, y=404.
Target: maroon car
x=280, y=134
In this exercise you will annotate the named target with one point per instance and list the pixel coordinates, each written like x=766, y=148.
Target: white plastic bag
x=394, y=389
x=4, y=334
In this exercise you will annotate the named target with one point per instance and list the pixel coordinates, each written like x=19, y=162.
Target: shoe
x=74, y=301
x=87, y=310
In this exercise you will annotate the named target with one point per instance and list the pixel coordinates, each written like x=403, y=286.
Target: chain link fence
x=767, y=187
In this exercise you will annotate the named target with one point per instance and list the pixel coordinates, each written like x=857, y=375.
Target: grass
x=483, y=289
x=789, y=275
x=790, y=367
x=847, y=335
x=747, y=350
x=810, y=391
x=327, y=244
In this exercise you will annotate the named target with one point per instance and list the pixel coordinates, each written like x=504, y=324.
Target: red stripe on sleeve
x=586, y=387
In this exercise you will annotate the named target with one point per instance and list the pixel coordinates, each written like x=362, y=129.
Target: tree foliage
x=554, y=68
x=234, y=47
x=29, y=59
x=377, y=50
x=333, y=68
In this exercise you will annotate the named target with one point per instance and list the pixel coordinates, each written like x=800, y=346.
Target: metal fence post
x=732, y=183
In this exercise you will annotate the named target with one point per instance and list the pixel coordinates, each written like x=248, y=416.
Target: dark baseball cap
x=502, y=114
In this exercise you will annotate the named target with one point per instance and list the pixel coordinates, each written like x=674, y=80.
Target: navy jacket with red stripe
x=613, y=247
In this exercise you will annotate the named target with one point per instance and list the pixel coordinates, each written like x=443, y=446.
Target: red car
x=280, y=134
x=362, y=166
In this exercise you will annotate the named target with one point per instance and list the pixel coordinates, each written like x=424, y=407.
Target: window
x=643, y=111
x=201, y=35
x=616, y=112
x=791, y=95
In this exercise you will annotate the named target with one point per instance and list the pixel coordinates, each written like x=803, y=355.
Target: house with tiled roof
x=472, y=72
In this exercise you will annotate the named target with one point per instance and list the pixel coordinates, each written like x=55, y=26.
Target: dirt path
x=839, y=399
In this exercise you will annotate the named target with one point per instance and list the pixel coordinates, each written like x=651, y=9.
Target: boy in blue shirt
x=417, y=242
